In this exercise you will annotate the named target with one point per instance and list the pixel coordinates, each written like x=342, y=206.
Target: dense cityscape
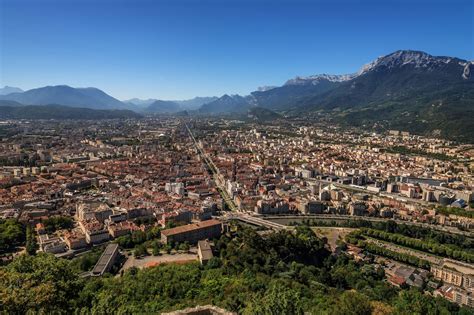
x=117, y=196
x=264, y=157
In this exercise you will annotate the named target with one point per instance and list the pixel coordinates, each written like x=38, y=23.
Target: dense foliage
x=455, y=211
x=86, y=261
x=408, y=151
x=413, y=231
x=430, y=246
x=139, y=238
x=53, y=224
x=426, y=234
x=281, y=273
x=38, y=284
x=12, y=234
x=354, y=238
x=352, y=223
x=31, y=245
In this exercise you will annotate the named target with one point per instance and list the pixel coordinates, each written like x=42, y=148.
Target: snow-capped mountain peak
x=467, y=69
x=316, y=79
x=266, y=88
x=405, y=57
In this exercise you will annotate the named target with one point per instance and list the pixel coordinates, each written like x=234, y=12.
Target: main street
x=218, y=179
x=236, y=213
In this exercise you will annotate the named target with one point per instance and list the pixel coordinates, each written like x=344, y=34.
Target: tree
x=379, y=308
x=214, y=262
x=12, y=233
x=184, y=246
x=31, y=244
x=125, y=241
x=156, y=248
x=58, y=223
x=278, y=299
x=139, y=251
x=352, y=303
x=153, y=233
x=138, y=237
x=88, y=260
x=250, y=274
x=414, y=302
x=39, y=284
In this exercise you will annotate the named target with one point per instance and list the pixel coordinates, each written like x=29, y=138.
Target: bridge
x=258, y=221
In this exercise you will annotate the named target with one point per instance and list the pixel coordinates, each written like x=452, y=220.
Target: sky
x=181, y=49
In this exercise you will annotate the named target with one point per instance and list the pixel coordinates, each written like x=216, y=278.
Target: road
x=400, y=249
x=257, y=221
x=340, y=217
x=220, y=184
x=215, y=172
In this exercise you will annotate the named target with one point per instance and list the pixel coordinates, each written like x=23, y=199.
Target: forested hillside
x=282, y=273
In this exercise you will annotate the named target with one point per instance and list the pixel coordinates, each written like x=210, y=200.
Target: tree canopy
x=12, y=233
x=280, y=273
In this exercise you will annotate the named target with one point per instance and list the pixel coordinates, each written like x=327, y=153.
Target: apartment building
x=454, y=273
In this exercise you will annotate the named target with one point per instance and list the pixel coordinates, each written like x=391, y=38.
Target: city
x=374, y=197
x=264, y=157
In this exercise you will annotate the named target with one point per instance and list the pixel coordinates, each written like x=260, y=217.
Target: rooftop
x=205, y=248
x=190, y=227
x=104, y=260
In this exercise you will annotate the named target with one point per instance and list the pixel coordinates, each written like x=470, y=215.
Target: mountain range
x=408, y=90
x=66, y=95
x=163, y=106
x=94, y=98
x=12, y=110
x=225, y=104
x=139, y=102
x=9, y=89
x=386, y=79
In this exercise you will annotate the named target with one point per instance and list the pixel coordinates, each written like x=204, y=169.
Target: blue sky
x=181, y=49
